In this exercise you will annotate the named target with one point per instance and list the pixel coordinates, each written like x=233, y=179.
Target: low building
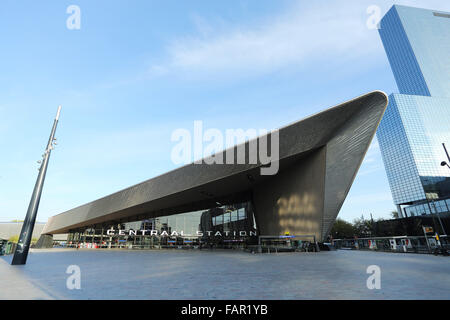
x=11, y=229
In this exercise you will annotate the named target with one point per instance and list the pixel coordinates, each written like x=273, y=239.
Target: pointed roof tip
x=380, y=92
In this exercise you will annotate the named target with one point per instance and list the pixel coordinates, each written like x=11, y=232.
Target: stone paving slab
x=177, y=274
x=15, y=286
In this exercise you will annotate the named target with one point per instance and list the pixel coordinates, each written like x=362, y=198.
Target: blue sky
x=138, y=70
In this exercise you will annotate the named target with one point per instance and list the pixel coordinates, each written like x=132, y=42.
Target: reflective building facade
x=417, y=121
x=417, y=44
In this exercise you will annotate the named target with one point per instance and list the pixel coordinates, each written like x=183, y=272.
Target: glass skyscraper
x=417, y=121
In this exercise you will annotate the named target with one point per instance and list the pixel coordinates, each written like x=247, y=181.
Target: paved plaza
x=166, y=274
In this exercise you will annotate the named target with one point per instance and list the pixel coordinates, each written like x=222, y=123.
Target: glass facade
x=227, y=226
x=427, y=207
x=410, y=136
x=417, y=44
x=417, y=121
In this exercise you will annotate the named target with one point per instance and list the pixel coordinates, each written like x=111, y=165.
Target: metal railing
x=276, y=243
x=413, y=244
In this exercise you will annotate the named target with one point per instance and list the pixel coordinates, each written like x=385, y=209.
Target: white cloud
x=331, y=32
x=293, y=38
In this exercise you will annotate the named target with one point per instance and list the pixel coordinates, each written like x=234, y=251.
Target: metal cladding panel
x=345, y=153
x=194, y=185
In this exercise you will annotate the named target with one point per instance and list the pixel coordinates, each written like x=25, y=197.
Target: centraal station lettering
x=120, y=232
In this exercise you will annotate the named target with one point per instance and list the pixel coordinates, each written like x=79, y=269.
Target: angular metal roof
x=345, y=130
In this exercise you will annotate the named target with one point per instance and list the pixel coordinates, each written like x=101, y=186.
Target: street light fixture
x=443, y=163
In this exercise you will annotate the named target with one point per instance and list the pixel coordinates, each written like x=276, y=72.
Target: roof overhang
x=348, y=127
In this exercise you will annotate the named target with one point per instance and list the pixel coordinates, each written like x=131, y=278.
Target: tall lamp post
x=443, y=163
x=21, y=252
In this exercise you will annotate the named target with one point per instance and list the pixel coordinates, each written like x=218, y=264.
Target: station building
x=209, y=204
